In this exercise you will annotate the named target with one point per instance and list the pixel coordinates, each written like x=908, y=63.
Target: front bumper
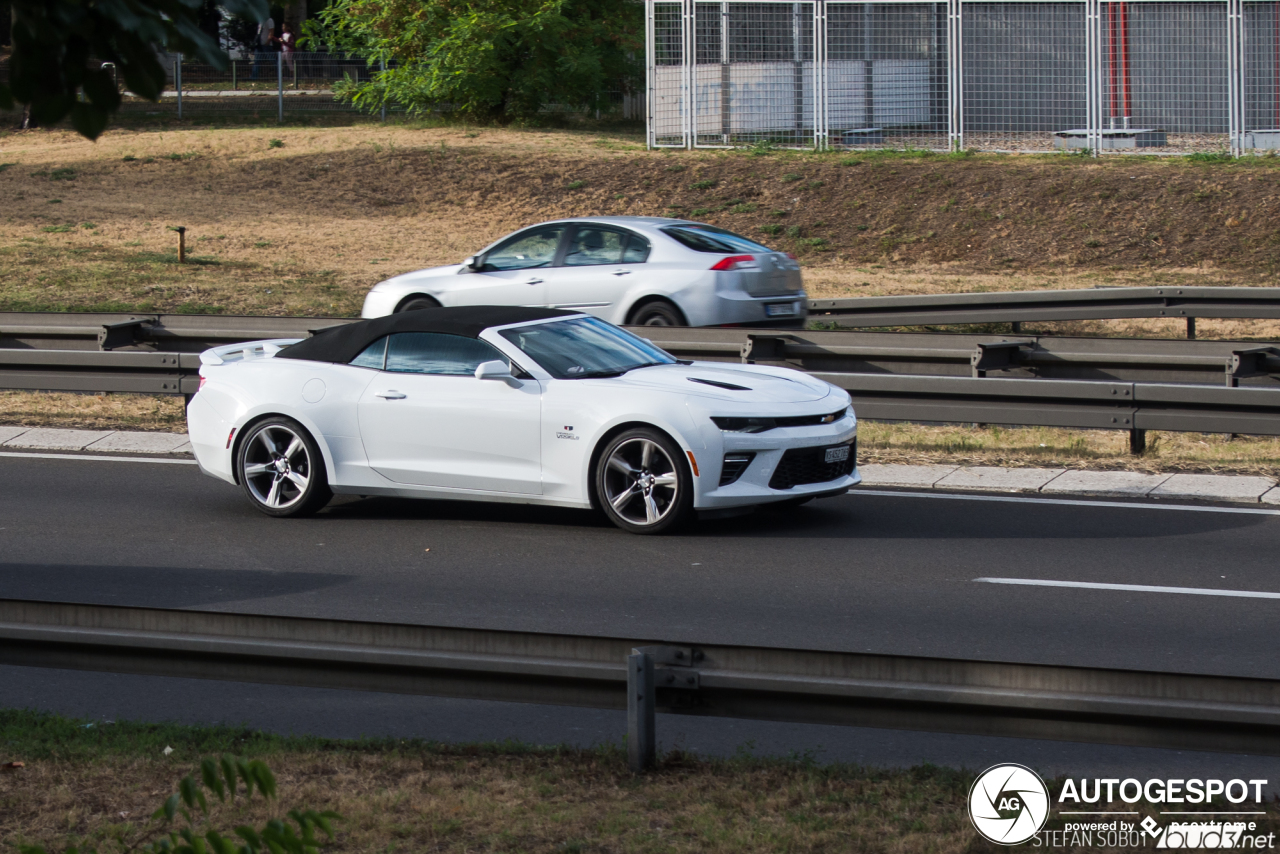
x=753, y=485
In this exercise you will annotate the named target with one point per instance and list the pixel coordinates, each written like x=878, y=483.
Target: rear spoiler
x=245, y=351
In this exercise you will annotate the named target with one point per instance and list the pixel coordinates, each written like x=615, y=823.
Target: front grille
x=809, y=420
x=734, y=465
x=805, y=465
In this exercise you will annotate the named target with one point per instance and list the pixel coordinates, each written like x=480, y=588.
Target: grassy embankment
x=98, y=781
x=304, y=220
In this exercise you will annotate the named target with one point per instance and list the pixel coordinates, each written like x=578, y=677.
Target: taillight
x=202, y=382
x=792, y=257
x=231, y=436
x=737, y=262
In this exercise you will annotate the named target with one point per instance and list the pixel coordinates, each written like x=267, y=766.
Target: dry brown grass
x=306, y=228
x=93, y=411
x=549, y=802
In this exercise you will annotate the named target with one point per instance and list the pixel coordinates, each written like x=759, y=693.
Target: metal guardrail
x=1122, y=384
x=1023, y=306
x=1106, y=706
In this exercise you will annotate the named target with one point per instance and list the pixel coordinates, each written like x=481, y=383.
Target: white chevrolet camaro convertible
x=529, y=405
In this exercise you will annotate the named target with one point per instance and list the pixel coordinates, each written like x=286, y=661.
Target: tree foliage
x=222, y=778
x=492, y=59
x=59, y=47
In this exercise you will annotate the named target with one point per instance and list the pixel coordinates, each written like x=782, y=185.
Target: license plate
x=837, y=454
x=780, y=309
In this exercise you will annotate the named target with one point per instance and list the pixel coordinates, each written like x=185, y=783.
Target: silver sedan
x=637, y=271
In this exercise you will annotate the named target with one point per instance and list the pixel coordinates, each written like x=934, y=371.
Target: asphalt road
x=873, y=572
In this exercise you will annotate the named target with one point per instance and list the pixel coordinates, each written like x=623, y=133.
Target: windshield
x=585, y=347
x=708, y=238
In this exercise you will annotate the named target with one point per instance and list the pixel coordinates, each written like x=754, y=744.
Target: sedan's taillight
x=737, y=262
x=792, y=257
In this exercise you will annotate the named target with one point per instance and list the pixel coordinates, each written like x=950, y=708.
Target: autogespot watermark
x=1010, y=805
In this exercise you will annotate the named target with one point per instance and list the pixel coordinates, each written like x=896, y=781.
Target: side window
x=637, y=251
x=528, y=249
x=374, y=356
x=591, y=246
x=436, y=353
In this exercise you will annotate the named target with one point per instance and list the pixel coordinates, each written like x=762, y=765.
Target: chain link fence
x=1105, y=76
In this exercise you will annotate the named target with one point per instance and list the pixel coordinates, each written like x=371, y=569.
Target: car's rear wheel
x=416, y=303
x=657, y=313
x=281, y=470
x=642, y=482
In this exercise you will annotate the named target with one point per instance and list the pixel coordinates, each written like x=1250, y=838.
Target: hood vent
x=718, y=384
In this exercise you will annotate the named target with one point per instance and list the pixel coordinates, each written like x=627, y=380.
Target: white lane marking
x=99, y=457
x=1129, y=505
x=1134, y=588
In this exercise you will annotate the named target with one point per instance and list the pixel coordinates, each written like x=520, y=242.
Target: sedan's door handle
x=534, y=281
x=622, y=272
x=391, y=394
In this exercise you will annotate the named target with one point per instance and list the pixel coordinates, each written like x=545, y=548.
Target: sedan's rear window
x=708, y=238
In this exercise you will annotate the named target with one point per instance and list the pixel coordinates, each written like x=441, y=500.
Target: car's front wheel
x=281, y=470
x=643, y=483
x=416, y=303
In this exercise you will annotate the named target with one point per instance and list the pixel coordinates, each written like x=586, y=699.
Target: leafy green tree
x=489, y=59
x=222, y=778
x=59, y=47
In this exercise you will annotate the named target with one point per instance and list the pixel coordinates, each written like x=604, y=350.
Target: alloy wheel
x=640, y=482
x=276, y=467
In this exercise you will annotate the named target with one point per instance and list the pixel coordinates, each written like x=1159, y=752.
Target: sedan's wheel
x=281, y=469
x=417, y=303
x=657, y=314
x=643, y=483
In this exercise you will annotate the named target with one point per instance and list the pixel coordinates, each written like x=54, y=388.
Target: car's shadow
x=862, y=517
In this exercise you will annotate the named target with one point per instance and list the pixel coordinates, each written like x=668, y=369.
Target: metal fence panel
x=1024, y=74
x=1114, y=76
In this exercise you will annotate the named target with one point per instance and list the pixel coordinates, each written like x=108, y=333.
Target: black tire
x=643, y=483
x=657, y=313
x=272, y=457
x=416, y=303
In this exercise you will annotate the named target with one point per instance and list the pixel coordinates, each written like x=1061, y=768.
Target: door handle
x=622, y=272
x=534, y=281
x=391, y=394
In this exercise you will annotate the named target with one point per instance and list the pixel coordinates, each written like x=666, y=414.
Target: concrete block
x=998, y=479
x=914, y=476
x=143, y=443
x=1272, y=497
x=1214, y=487
x=183, y=449
x=7, y=433
x=52, y=439
x=1128, y=483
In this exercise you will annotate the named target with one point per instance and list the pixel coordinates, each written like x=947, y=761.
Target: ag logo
x=1008, y=804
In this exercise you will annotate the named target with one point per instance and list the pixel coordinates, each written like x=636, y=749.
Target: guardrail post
x=641, y=750
x=1191, y=328
x=279, y=88
x=1137, y=442
x=177, y=80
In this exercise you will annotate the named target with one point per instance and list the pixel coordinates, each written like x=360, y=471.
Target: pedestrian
x=286, y=41
x=263, y=45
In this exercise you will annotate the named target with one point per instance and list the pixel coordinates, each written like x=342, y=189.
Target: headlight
x=745, y=425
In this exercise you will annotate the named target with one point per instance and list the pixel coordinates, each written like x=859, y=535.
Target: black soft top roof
x=343, y=343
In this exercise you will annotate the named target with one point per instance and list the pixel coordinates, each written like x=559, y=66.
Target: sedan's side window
x=437, y=353
x=591, y=246
x=637, y=251
x=374, y=356
x=526, y=250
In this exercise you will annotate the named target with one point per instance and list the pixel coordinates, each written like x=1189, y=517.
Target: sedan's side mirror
x=496, y=370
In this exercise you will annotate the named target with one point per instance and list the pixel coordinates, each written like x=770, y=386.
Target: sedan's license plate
x=837, y=454
x=780, y=309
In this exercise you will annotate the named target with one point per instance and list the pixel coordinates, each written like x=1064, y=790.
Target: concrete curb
x=1199, y=487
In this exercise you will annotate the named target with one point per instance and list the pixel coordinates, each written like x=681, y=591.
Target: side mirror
x=496, y=370
x=472, y=263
